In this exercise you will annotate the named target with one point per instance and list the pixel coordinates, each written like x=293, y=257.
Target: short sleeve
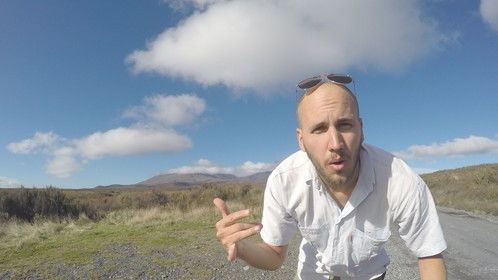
x=278, y=226
x=419, y=223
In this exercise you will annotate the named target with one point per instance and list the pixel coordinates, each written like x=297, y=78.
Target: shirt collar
x=365, y=184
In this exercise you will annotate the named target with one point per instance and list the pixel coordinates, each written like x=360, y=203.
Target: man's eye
x=345, y=126
x=320, y=129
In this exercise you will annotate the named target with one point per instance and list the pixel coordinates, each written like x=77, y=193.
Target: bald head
x=326, y=90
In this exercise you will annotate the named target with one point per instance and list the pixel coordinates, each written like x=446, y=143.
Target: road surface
x=472, y=252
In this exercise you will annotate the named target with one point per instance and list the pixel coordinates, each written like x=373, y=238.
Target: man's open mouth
x=337, y=164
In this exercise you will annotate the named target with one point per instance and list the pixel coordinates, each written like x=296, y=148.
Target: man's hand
x=229, y=232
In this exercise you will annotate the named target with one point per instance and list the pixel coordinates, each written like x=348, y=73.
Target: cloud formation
x=130, y=141
x=6, y=182
x=457, y=146
x=152, y=132
x=63, y=166
x=489, y=13
x=167, y=110
x=185, y=4
x=40, y=143
x=264, y=43
x=206, y=166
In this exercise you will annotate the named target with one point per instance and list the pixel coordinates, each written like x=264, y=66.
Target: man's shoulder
x=295, y=167
x=381, y=159
x=293, y=163
x=378, y=155
x=393, y=174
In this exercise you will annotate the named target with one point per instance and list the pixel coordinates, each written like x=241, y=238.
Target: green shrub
x=484, y=177
x=27, y=204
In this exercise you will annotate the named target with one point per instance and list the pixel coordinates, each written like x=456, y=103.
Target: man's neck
x=342, y=193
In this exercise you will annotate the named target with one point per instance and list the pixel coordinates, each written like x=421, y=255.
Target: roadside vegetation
x=45, y=243
x=473, y=188
x=43, y=232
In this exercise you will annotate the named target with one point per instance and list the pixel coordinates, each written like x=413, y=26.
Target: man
x=342, y=195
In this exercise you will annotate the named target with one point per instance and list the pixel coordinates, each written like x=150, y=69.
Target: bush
x=53, y=203
x=27, y=204
x=484, y=177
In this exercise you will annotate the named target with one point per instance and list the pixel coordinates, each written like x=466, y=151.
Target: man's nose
x=335, y=140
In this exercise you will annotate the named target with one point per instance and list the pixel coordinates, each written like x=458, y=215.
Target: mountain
x=121, y=186
x=194, y=179
x=260, y=177
x=187, y=179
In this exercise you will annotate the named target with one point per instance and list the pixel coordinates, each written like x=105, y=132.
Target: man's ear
x=299, y=135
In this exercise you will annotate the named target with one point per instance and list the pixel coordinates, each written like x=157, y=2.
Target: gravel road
x=472, y=244
x=472, y=254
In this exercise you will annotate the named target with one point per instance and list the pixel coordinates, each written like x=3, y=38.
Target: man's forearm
x=432, y=268
x=261, y=255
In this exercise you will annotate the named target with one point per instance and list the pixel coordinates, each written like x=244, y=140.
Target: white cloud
x=202, y=166
x=6, y=182
x=183, y=4
x=249, y=167
x=489, y=13
x=63, y=166
x=264, y=43
x=151, y=133
x=457, y=146
x=208, y=167
x=41, y=142
x=168, y=110
x=129, y=141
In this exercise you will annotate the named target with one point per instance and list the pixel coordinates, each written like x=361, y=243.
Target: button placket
x=336, y=245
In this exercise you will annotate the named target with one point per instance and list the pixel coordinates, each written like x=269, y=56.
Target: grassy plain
x=35, y=249
x=184, y=222
x=145, y=221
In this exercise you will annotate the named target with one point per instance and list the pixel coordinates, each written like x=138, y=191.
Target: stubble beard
x=336, y=181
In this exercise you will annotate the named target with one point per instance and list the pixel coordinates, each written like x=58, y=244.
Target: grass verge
x=35, y=249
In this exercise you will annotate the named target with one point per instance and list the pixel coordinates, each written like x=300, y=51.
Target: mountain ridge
x=175, y=180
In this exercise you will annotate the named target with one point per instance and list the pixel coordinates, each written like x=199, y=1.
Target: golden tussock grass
x=165, y=207
x=473, y=188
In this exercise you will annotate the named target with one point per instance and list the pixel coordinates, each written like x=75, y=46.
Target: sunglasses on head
x=335, y=78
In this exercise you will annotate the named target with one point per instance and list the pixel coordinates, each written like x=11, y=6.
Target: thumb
x=232, y=252
x=220, y=204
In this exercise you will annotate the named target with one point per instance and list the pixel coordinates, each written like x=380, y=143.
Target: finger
x=234, y=217
x=239, y=235
x=232, y=252
x=223, y=232
x=220, y=204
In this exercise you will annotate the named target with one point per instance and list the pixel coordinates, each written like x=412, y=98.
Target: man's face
x=331, y=133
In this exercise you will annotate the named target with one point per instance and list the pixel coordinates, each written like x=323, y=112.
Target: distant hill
x=121, y=186
x=472, y=188
x=464, y=176
x=194, y=179
x=187, y=179
x=256, y=178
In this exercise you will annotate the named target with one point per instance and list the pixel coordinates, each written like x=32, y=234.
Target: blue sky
x=104, y=92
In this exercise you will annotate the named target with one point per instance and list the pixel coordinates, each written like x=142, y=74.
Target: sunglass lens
x=341, y=79
x=309, y=83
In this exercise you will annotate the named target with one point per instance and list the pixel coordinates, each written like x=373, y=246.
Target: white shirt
x=349, y=242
